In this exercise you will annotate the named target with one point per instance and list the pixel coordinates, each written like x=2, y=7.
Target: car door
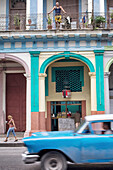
x=96, y=148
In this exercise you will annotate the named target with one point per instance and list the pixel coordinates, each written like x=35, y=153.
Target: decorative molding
x=16, y=59
x=90, y=42
x=107, y=74
x=34, y=53
x=67, y=54
x=28, y=76
x=107, y=67
x=99, y=52
x=92, y=74
x=42, y=75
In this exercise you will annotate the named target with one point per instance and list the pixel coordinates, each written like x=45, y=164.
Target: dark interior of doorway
x=60, y=107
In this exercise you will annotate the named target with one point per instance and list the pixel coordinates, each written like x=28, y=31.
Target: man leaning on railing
x=58, y=16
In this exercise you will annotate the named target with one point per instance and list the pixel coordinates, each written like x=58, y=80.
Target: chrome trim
x=29, y=158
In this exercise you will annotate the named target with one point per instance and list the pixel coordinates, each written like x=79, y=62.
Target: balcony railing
x=68, y=22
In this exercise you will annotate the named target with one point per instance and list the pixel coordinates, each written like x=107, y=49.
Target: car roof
x=99, y=117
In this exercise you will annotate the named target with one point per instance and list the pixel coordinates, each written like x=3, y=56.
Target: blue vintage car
x=92, y=142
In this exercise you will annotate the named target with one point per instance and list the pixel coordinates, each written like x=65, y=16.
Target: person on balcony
x=58, y=16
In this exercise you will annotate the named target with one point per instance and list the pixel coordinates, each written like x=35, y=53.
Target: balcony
x=82, y=21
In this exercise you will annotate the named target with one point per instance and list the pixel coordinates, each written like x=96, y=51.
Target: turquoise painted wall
x=99, y=79
x=34, y=81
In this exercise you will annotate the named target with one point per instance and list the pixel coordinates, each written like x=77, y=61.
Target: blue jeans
x=11, y=130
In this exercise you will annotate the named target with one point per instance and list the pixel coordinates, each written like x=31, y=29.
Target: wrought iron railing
x=68, y=21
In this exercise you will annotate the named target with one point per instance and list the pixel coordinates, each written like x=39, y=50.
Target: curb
x=11, y=144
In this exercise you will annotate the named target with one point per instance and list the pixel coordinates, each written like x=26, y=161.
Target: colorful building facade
x=35, y=62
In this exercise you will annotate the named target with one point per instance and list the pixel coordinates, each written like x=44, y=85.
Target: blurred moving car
x=88, y=144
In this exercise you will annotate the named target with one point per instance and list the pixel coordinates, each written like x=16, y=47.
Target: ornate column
x=99, y=81
x=28, y=105
x=106, y=92
x=42, y=101
x=35, y=119
x=93, y=92
x=2, y=101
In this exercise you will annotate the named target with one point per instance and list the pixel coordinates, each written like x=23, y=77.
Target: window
x=73, y=75
x=102, y=128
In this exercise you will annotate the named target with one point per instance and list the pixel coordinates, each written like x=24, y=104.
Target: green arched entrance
x=56, y=106
x=66, y=55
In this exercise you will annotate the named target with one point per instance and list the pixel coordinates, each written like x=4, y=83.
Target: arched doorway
x=13, y=91
x=16, y=99
x=111, y=88
x=108, y=78
x=61, y=66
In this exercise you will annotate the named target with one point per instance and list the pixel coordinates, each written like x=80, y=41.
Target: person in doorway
x=77, y=119
x=12, y=128
x=68, y=113
x=106, y=127
x=58, y=16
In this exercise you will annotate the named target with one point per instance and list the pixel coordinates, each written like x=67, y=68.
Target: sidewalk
x=10, y=142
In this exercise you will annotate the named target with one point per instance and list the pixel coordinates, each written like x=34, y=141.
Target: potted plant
x=112, y=18
x=49, y=23
x=29, y=21
x=86, y=24
x=100, y=21
x=17, y=21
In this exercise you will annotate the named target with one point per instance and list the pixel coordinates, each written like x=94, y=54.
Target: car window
x=84, y=129
x=102, y=128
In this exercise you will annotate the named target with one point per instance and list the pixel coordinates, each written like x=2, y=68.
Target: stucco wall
x=23, y=56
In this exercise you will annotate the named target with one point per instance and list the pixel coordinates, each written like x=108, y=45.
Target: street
x=10, y=159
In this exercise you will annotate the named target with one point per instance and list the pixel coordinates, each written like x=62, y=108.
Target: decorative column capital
x=42, y=75
x=92, y=74
x=99, y=52
x=106, y=74
x=34, y=53
x=28, y=76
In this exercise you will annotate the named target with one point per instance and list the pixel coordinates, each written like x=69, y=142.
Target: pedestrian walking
x=12, y=128
x=77, y=119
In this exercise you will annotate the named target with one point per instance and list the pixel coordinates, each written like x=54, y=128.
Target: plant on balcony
x=17, y=21
x=49, y=23
x=99, y=21
x=112, y=18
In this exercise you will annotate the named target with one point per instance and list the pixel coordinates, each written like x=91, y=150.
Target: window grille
x=72, y=76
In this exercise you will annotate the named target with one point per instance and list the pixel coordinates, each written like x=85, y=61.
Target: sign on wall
x=66, y=124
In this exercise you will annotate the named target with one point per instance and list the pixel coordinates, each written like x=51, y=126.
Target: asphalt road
x=10, y=159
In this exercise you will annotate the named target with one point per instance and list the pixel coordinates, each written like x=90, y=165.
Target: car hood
x=54, y=134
